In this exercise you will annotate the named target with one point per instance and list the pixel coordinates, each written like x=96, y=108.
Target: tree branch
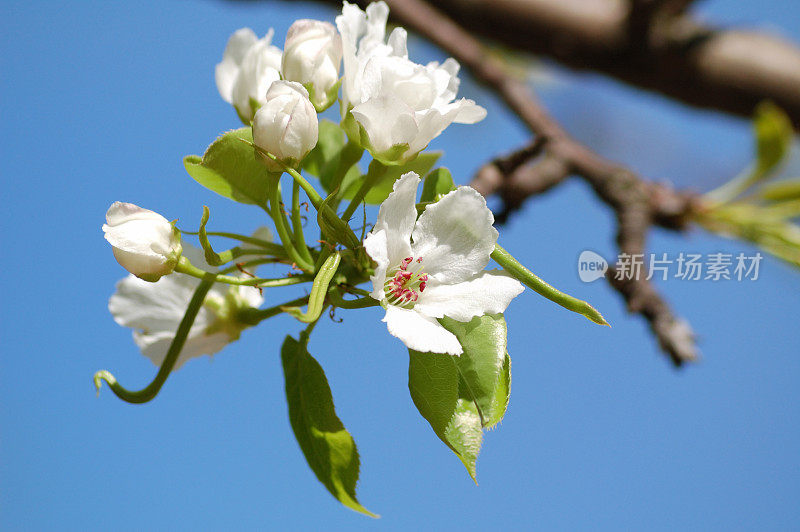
x=652, y=44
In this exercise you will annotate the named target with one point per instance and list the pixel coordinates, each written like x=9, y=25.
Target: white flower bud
x=312, y=54
x=286, y=125
x=249, y=66
x=144, y=242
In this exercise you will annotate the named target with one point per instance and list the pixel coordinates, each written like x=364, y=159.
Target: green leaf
x=329, y=449
x=781, y=191
x=437, y=184
x=484, y=367
x=773, y=131
x=380, y=191
x=230, y=168
x=325, y=156
x=461, y=395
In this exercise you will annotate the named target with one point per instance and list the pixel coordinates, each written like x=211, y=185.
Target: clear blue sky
x=99, y=102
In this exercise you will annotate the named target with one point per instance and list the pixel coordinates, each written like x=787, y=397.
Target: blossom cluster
x=424, y=260
x=391, y=107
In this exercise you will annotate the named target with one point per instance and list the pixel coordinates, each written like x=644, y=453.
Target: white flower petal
x=455, y=236
x=227, y=70
x=489, y=292
x=469, y=112
x=397, y=216
x=387, y=120
x=155, y=307
x=375, y=245
x=420, y=333
x=155, y=346
x=259, y=69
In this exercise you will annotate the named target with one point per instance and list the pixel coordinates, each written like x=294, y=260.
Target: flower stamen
x=403, y=286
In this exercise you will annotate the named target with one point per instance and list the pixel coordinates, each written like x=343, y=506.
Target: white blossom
x=144, y=242
x=249, y=66
x=399, y=105
x=312, y=54
x=433, y=266
x=154, y=311
x=286, y=125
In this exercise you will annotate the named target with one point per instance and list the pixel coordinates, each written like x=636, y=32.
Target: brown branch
x=652, y=44
x=638, y=204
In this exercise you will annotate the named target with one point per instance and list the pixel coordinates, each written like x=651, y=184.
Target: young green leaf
x=460, y=396
x=329, y=449
x=380, y=191
x=781, y=191
x=773, y=131
x=437, y=183
x=324, y=158
x=229, y=168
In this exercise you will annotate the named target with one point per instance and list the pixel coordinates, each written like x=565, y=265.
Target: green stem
x=184, y=266
x=252, y=316
x=375, y=172
x=271, y=247
x=532, y=281
x=281, y=225
x=152, y=389
x=297, y=223
x=337, y=300
x=251, y=263
x=308, y=188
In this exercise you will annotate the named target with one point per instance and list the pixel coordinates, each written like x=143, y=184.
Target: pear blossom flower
x=286, y=125
x=432, y=267
x=154, y=311
x=312, y=54
x=399, y=105
x=249, y=66
x=144, y=242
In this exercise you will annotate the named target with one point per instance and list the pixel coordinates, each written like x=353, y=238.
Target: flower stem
x=281, y=225
x=337, y=300
x=152, y=389
x=297, y=223
x=252, y=316
x=375, y=172
x=532, y=281
x=184, y=266
x=270, y=247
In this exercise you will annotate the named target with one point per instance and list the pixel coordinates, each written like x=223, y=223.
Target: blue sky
x=100, y=101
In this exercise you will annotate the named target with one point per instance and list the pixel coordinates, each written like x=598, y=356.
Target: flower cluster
x=390, y=105
x=426, y=257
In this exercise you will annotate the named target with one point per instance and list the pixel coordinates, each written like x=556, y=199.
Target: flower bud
x=311, y=57
x=144, y=242
x=249, y=66
x=286, y=125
